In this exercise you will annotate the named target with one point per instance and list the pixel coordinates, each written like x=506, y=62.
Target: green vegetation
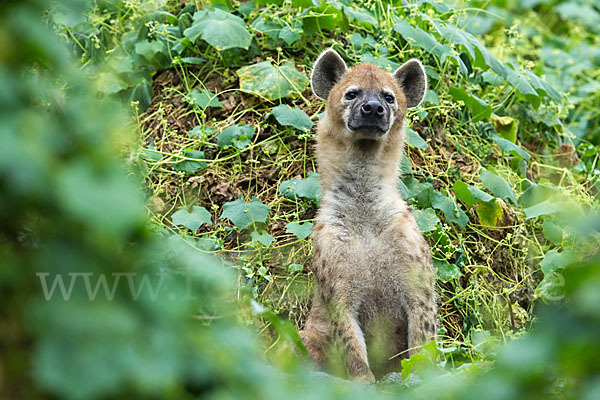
x=202, y=113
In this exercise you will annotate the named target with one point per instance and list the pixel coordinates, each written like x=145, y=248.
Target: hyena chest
x=360, y=213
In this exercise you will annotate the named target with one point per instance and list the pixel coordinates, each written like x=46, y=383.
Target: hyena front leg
x=349, y=336
x=316, y=333
x=422, y=317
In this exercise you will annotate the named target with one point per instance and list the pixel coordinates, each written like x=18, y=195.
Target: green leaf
x=414, y=140
x=405, y=166
x=419, y=38
x=554, y=261
x=242, y=215
x=423, y=192
x=272, y=82
x=537, y=193
x=239, y=136
x=490, y=212
x=551, y=287
x=91, y=194
x=498, y=186
x=479, y=54
x=510, y=147
x=203, y=99
x=553, y=232
x=191, y=220
x=323, y=17
x=220, y=29
x=506, y=127
x=290, y=35
x=148, y=154
x=461, y=191
x=193, y=60
x=262, y=237
x=452, y=212
x=358, y=41
x=207, y=244
x=546, y=207
x=360, y=15
x=380, y=61
x=426, y=219
x=521, y=84
x=293, y=268
x=403, y=190
x=301, y=230
x=202, y=132
x=479, y=194
x=480, y=110
x=148, y=49
x=190, y=165
x=542, y=86
x=446, y=271
x=308, y=188
x=431, y=96
x=269, y=28
x=295, y=117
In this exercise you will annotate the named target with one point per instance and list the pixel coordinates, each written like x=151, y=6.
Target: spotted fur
x=375, y=295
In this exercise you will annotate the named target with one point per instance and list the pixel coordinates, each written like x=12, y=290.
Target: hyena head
x=366, y=100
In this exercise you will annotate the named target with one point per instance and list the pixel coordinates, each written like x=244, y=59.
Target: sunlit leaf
x=272, y=82
x=506, y=127
x=220, y=29
x=419, y=38
x=490, y=212
x=461, y=191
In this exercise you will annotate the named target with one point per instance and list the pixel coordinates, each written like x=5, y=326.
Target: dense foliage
x=202, y=113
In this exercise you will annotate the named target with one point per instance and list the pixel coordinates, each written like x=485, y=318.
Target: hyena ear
x=413, y=81
x=327, y=71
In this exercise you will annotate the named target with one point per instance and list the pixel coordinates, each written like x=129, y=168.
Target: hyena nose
x=372, y=108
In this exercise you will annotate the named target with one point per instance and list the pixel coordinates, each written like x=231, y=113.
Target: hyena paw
x=364, y=378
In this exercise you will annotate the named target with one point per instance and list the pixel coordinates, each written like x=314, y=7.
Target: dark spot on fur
x=343, y=189
x=427, y=294
x=427, y=326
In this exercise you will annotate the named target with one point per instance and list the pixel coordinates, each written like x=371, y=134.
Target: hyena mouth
x=373, y=130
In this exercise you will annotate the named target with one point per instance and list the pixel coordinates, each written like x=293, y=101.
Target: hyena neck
x=366, y=165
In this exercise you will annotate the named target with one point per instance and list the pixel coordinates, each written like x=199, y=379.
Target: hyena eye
x=351, y=95
x=389, y=98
